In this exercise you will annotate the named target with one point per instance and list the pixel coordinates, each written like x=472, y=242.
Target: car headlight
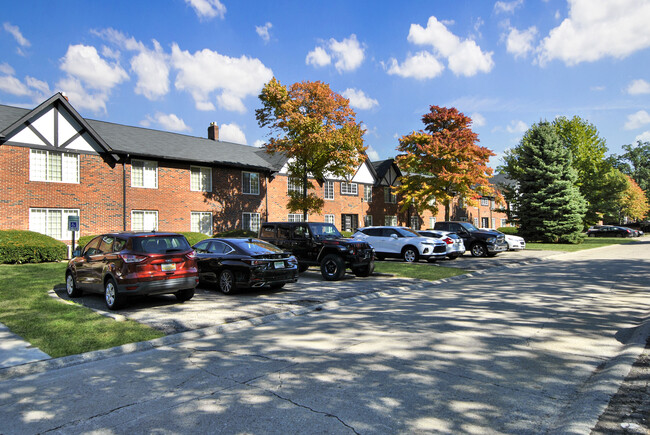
x=492, y=240
x=292, y=261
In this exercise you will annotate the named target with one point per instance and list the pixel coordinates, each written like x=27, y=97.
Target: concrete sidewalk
x=15, y=351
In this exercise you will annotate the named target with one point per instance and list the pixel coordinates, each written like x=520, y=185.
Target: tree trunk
x=304, y=194
x=447, y=210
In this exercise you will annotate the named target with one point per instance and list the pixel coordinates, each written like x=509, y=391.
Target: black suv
x=479, y=242
x=320, y=244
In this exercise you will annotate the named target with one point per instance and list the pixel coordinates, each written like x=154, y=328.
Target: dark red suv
x=126, y=264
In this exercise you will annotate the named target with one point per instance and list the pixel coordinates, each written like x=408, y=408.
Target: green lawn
x=417, y=270
x=590, y=242
x=57, y=328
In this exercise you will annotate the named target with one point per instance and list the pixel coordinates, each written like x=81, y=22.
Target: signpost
x=73, y=225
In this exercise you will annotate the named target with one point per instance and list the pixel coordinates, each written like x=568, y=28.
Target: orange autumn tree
x=443, y=161
x=634, y=203
x=316, y=129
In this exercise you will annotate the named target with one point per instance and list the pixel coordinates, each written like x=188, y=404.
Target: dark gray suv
x=480, y=243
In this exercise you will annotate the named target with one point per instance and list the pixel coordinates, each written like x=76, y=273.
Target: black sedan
x=610, y=231
x=244, y=263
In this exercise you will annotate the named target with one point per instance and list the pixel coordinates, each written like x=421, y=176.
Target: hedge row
x=508, y=230
x=17, y=246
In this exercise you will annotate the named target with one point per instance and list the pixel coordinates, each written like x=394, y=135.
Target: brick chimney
x=213, y=131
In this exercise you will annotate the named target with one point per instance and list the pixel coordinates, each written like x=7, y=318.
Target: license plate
x=278, y=264
x=168, y=267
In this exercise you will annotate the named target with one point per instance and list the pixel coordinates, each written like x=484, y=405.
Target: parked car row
x=613, y=231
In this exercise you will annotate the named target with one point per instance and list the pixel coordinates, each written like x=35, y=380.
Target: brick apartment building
x=54, y=163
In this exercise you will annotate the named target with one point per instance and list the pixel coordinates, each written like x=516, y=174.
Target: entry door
x=349, y=222
x=485, y=222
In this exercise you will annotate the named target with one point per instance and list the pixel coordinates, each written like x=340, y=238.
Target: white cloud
x=263, y=31
x=152, y=69
x=643, y=137
x=318, y=57
x=420, y=66
x=13, y=86
x=80, y=97
x=5, y=68
x=207, y=9
x=507, y=7
x=373, y=155
x=637, y=120
x=478, y=120
x=639, y=86
x=37, y=90
x=259, y=143
x=169, y=122
x=42, y=88
x=348, y=54
x=596, y=29
x=359, y=100
x=207, y=71
x=84, y=63
x=15, y=32
x=520, y=43
x=464, y=57
x=517, y=127
x=232, y=133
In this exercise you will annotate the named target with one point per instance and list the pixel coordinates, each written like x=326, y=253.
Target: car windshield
x=255, y=247
x=469, y=227
x=407, y=232
x=160, y=244
x=325, y=231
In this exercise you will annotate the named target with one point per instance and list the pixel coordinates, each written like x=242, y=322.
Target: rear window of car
x=160, y=244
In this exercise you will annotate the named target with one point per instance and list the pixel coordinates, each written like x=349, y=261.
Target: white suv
x=402, y=243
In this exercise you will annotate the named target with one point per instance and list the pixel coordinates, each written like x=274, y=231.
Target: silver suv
x=401, y=242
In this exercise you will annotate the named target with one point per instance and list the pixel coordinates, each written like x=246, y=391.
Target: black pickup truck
x=480, y=243
x=320, y=244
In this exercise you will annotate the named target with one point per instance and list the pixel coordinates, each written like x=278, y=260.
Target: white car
x=455, y=245
x=401, y=242
x=515, y=243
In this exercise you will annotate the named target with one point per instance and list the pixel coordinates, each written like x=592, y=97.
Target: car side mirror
x=76, y=252
x=393, y=236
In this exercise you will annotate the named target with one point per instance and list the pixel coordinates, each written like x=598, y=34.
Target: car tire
x=365, y=270
x=227, y=282
x=112, y=298
x=591, y=235
x=410, y=254
x=302, y=267
x=332, y=268
x=453, y=257
x=277, y=286
x=478, y=250
x=71, y=286
x=184, y=295
x=379, y=257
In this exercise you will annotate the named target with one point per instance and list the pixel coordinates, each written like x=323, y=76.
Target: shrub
x=347, y=234
x=17, y=246
x=83, y=241
x=193, y=238
x=508, y=230
x=236, y=233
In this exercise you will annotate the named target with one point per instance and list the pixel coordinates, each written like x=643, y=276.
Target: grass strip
x=589, y=243
x=418, y=270
x=57, y=328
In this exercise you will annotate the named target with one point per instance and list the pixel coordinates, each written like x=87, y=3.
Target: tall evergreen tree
x=551, y=208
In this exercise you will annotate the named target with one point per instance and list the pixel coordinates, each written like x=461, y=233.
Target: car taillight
x=191, y=255
x=130, y=258
x=252, y=262
x=448, y=241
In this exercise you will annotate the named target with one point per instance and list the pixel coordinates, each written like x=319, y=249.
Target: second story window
x=389, y=196
x=144, y=173
x=251, y=183
x=53, y=166
x=294, y=185
x=349, y=188
x=200, y=179
x=328, y=189
x=367, y=193
x=485, y=201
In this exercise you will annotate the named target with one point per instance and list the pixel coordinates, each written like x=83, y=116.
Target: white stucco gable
x=363, y=174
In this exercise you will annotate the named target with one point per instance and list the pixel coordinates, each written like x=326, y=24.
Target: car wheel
x=332, y=267
x=592, y=235
x=478, y=250
x=453, y=257
x=226, y=282
x=112, y=298
x=365, y=270
x=302, y=267
x=184, y=295
x=71, y=286
x=410, y=254
x=379, y=257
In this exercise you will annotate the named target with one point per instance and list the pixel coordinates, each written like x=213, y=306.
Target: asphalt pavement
x=536, y=348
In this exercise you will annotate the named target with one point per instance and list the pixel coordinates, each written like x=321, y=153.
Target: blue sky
x=178, y=65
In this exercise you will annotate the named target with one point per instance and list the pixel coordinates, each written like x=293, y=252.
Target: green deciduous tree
x=317, y=130
x=550, y=206
x=442, y=162
x=635, y=162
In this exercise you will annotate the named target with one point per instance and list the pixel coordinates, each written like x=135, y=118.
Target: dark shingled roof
x=144, y=142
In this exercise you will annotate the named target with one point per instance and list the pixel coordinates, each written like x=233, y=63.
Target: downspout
x=124, y=195
x=266, y=198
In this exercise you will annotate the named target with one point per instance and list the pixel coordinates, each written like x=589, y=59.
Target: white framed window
x=251, y=183
x=296, y=217
x=485, y=201
x=329, y=219
x=494, y=223
x=504, y=222
x=367, y=193
x=390, y=221
x=432, y=222
x=52, y=222
x=144, y=173
x=415, y=222
x=250, y=222
x=328, y=190
x=294, y=185
x=349, y=188
x=201, y=222
x=367, y=220
x=144, y=220
x=476, y=222
x=492, y=204
x=200, y=179
x=53, y=166
x=389, y=195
